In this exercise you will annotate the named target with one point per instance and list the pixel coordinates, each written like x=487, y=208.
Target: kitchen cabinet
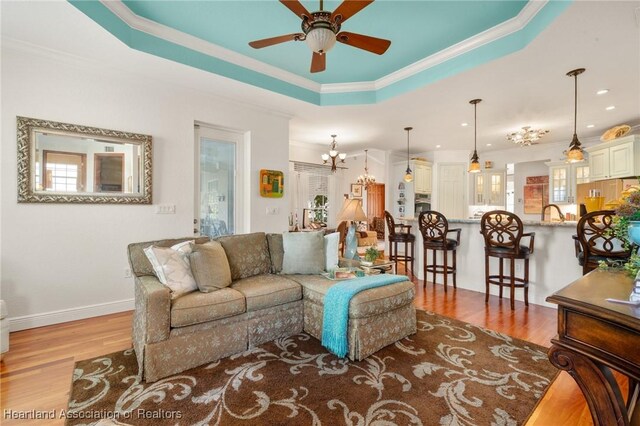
x=619, y=158
x=422, y=177
x=563, y=180
x=489, y=188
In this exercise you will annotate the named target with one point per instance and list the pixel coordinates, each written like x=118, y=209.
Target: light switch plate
x=166, y=209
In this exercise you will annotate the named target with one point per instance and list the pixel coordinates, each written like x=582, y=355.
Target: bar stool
x=404, y=236
x=595, y=241
x=502, y=232
x=434, y=229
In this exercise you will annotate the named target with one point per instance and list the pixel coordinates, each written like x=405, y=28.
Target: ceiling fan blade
x=259, y=44
x=318, y=62
x=368, y=43
x=348, y=8
x=296, y=7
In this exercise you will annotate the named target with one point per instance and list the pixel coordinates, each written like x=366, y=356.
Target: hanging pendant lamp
x=408, y=177
x=474, y=166
x=575, y=153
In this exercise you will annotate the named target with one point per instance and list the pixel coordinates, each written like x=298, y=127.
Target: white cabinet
x=563, y=178
x=488, y=188
x=616, y=159
x=422, y=177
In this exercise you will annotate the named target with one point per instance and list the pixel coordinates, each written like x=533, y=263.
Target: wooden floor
x=36, y=373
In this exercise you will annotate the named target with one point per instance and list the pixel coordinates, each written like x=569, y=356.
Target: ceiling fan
x=321, y=30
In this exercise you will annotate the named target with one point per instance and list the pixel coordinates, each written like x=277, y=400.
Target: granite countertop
x=567, y=224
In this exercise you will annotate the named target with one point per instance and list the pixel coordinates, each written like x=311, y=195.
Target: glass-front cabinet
x=489, y=188
x=563, y=180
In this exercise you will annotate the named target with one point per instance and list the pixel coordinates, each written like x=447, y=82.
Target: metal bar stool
x=502, y=232
x=434, y=229
x=404, y=236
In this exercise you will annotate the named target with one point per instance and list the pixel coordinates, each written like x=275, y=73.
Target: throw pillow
x=248, y=254
x=172, y=268
x=303, y=253
x=276, y=252
x=210, y=267
x=331, y=243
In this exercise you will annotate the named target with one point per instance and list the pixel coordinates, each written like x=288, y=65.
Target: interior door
x=451, y=190
x=218, y=185
x=108, y=172
x=375, y=202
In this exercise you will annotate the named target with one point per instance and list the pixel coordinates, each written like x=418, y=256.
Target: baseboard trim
x=72, y=314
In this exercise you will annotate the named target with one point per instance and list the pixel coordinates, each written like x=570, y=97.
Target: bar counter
x=552, y=265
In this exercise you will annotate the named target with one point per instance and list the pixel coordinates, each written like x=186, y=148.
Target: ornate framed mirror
x=70, y=163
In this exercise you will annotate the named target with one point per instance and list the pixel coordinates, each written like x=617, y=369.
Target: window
x=316, y=198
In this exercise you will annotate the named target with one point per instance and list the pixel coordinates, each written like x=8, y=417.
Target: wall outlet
x=273, y=210
x=166, y=209
x=127, y=272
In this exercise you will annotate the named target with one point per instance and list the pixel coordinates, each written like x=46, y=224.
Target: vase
x=633, y=231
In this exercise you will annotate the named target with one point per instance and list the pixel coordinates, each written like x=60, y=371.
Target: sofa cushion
x=266, y=291
x=276, y=252
x=365, y=304
x=139, y=262
x=303, y=253
x=197, y=307
x=248, y=254
x=210, y=266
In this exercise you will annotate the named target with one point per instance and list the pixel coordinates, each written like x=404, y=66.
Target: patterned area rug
x=449, y=373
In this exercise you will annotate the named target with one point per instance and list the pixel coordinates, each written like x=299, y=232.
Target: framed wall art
x=271, y=183
x=356, y=190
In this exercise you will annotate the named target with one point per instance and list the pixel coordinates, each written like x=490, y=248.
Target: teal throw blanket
x=335, y=318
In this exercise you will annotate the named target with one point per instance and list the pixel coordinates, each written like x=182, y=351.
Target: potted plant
x=626, y=225
x=370, y=256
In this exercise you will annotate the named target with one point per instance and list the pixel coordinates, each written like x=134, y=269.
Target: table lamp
x=351, y=211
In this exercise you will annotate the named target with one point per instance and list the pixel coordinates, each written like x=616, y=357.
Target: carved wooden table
x=595, y=336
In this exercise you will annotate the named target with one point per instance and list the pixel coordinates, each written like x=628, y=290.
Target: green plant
x=371, y=254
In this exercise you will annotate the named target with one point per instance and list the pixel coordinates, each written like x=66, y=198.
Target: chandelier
x=333, y=155
x=527, y=136
x=366, y=179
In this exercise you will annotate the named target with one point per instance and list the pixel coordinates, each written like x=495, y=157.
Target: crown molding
x=515, y=24
x=185, y=40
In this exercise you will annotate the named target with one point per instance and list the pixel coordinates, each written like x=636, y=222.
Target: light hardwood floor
x=36, y=373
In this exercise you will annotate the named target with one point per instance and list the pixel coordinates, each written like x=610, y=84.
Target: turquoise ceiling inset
x=417, y=30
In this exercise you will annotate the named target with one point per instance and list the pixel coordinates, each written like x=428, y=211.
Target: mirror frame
x=26, y=150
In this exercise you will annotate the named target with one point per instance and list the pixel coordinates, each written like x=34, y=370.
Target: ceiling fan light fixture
x=320, y=39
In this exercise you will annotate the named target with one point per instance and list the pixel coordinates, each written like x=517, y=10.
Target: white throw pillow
x=171, y=265
x=331, y=243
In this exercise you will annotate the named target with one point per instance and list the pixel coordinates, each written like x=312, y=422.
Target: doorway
x=451, y=190
x=218, y=198
x=376, y=207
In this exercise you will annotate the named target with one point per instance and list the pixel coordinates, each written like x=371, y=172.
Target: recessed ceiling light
x=590, y=126
x=610, y=107
x=464, y=124
x=488, y=144
x=437, y=146
x=602, y=91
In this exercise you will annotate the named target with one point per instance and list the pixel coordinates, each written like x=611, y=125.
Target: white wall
x=58, y=261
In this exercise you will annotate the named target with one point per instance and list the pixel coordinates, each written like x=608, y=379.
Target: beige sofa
x=170, y=336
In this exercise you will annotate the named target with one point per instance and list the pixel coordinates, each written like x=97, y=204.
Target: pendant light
x=474, y=166
x=575, y=153
x=408, y=177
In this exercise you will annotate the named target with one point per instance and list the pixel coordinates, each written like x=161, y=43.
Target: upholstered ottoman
x=378, y=317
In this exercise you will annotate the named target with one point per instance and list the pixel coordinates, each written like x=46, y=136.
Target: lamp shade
x=321, y=39
x=352, y=210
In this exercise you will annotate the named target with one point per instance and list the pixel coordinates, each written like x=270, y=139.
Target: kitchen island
x=552, y=265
